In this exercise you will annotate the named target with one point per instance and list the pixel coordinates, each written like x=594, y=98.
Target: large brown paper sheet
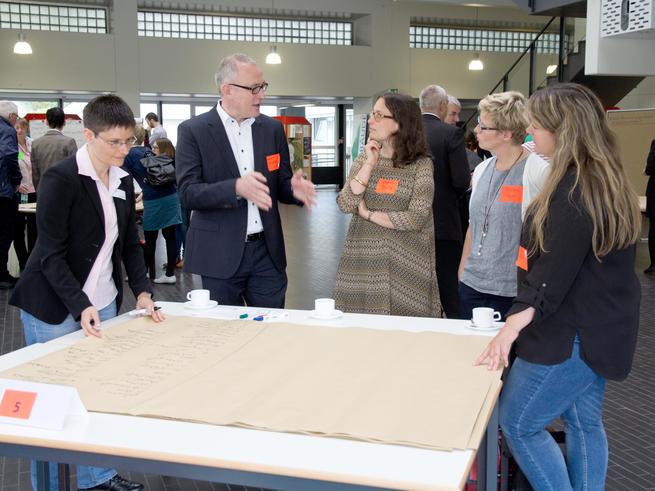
x=417, y=389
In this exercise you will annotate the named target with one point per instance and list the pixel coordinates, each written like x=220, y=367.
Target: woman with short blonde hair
x=501, y=186
x=576, y=314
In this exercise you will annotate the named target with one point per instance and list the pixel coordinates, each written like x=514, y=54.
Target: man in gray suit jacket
x=233, y=168
x=51, y=147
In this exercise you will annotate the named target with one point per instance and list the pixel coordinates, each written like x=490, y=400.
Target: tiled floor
x=314, y=241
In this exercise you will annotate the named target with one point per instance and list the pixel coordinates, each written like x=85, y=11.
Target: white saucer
x=493, y=327
x=210, y=305
x=334, y=315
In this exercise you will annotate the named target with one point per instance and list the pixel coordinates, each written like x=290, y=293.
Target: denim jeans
x=37, y=331
x=533, y=396
x=470, y=298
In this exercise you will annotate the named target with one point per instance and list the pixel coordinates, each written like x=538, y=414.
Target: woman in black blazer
x=574, y=320
x=86, y=224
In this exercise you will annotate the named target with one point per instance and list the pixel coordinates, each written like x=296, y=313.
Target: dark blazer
x=650, y=187
x=451, y=176
x=71, y=228
x=206, y=176
x=575, y=293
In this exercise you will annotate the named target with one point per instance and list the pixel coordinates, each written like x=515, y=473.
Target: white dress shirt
x=99, y=285
x=240, y=137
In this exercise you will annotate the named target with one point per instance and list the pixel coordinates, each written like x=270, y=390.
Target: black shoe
x=116, y=483
x=649, y=270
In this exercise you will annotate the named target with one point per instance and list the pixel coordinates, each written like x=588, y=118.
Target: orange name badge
x=17, y=404
x=387, y=186
x=273, y=162
x=511, y=194
x=522, y=259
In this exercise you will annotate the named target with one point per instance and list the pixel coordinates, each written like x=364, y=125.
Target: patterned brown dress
x=390, y=271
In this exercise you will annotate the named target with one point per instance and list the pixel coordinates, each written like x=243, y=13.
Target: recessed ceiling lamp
x=22, y=47
x=476, y=64
x=273, y=58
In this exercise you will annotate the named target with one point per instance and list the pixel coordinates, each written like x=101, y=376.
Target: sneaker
x=165, y=279
x=116, y=483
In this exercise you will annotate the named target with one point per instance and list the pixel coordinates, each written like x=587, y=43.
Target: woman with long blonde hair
x=575, y=318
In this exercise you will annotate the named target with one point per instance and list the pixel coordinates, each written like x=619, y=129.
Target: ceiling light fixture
x=550, y=69
x=273, y=58
x=22, y=47
x=476, y=64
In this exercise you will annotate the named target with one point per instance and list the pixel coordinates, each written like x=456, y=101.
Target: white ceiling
x=475, y=3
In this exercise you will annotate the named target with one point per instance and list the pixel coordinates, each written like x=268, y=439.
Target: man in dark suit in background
x=232, y=169
x=51, y=147
x=451, y=180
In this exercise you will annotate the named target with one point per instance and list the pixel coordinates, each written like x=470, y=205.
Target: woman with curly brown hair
x=387, y=264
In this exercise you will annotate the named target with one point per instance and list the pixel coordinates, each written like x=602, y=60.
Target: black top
x=71, y=225
x=451, y=175
x=573, y=292
x=650, y=172
x=133, y=165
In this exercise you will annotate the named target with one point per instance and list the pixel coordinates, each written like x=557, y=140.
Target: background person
x=10, y=179
x=27, y=194
x=487, y=271
x=86, y=221
x=451, y=180
x=52, y=147
x=453, y=110
x=156, y=130
x=576, y=315
x=161, y=206
x=387, y=263
x=650, y=206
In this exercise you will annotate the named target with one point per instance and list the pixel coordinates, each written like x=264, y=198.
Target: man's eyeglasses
x=378, y=116
x=255, y=89
x=485, y=128
x=119, y=143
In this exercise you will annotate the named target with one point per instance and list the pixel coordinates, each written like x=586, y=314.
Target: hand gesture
x=303, y=189
x=144, y=301
x=497, y=350
x=90, y=322
x=253, y=187
x=22, y=188
x=372, y=149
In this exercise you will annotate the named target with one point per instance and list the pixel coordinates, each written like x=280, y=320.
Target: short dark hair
x=152, y=116
x=107, y=111
x=409, y=143
x=55, y=117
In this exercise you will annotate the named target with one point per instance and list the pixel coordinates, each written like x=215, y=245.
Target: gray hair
x=432, y=97
x=227, y=69
x=453, y=100
x=7, y=108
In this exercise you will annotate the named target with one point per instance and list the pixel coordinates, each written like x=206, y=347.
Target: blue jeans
x=470, y=298
x=37, y=331
x=533, y=396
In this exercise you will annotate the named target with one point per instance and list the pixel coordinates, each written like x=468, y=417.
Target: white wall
x=129, y=65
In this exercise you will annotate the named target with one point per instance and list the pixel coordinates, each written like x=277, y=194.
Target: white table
x=250, y=457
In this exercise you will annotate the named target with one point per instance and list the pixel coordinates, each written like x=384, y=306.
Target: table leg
x=491, y=441
x=64, y=479
x=42, y=475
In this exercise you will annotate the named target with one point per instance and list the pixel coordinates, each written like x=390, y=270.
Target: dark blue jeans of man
x=256, y=283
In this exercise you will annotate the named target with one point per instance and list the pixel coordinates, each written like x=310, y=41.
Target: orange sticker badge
x=522, y=259
x=273, y=162
x=17, y=404
x=387, y=186
x=511, y=194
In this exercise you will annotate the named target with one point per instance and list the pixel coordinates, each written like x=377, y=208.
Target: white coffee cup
x=324, y=307
x=198, y=298
x=485, y=316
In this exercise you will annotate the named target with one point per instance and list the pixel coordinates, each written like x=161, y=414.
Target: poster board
x=635, y=129
x=73, y=127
